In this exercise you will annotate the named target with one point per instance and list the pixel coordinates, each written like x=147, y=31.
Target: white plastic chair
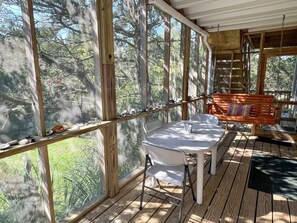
x=205, y=118
x=170, y=166
x=151, y=126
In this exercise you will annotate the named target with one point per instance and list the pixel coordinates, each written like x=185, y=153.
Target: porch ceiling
x=251, y=15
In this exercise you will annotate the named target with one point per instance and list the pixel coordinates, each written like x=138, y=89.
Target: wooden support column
x=262, y=74
x=185, y=89
x=108, y=93
x=166, y=62
x=206, y=78
x=248, y=69
x=142, y=59
x=294, y=86
x=98, y=99
x=261, y=71
x=143, y=54
x=37, y=106
x=196, y=69
x=231, y=73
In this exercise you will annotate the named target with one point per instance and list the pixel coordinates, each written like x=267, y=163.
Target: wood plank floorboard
x=226, y=195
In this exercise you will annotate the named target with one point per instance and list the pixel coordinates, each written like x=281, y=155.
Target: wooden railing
x=279, y=95
x=288, y=110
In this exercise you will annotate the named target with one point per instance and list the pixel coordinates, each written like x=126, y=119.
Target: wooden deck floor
x=226, y=197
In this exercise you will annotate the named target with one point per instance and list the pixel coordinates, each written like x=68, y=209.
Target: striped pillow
x=239, y=110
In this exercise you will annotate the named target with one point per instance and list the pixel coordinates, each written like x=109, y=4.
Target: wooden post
x=108, y=93
x=259, y=83
x=231, y=73
x=294, y=86
x=186, y=53
x=143, y=54
x=248, y=69
x=37, y=106
x=98, y=99
x=206, y=78
x=263, y=63
x=196, y=68
x=261, y=73
x=166, y=62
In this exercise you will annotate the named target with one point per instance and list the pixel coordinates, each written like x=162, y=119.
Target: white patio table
x=204, y=137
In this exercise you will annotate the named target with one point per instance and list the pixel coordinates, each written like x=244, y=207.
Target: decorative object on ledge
x=171, y=101
x=4, y=146
x=59, y=128
x=49, y=132
x=13, y=142
x=26, y=140
x=179, y=100
x=124, y=114
x=149, y=108
x=92, y=121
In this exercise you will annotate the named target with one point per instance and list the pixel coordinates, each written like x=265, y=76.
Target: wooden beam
x=37, y=105
x=44, y=141
x=196, y=68
x=166, y=61
x=98, y=98
x=259, y=84
x=108, y=93
x=143, y=67
x=231, y=70
x=284, y=52
x=185, y=89
x=263, y=63
x=206, y=76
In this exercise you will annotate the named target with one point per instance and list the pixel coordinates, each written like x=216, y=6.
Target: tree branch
x=14, y=100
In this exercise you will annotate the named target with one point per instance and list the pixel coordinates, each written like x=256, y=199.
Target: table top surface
x=174, y=136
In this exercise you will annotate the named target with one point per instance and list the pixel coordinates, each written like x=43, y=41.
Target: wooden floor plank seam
x=237, y=182
x=196, y=214
x=215, y=211
x=226, y=195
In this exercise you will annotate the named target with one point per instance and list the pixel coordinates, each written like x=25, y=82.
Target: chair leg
x=143, y=182
x=209, y=168
x=191, y=185
x=183, y=193
x=149, y=160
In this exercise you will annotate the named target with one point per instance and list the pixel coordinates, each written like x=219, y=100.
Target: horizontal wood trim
x=287, y=102
x=283, y=51
x=43, y=141
x=225, y=52
x=228, y=64
x=227, y=57
x=228, y=71
x=234, y=79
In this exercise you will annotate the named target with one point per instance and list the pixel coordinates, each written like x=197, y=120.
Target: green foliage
x=75, y=175
x=280, y=73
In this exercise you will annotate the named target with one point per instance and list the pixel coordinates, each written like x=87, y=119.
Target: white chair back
x=151, y=126
x=205, y=118
x=164, y=156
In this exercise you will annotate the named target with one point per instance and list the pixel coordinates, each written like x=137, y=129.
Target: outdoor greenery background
x=65, y=33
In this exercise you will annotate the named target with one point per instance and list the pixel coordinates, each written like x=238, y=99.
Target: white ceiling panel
x=239, y=14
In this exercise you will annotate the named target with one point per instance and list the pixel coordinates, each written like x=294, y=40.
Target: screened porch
x=79, y=79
